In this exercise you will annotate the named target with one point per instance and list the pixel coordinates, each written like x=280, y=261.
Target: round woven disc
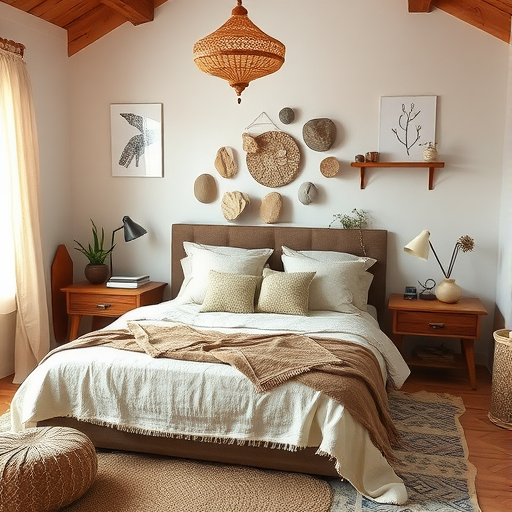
x=276, y=163
x=329, y=166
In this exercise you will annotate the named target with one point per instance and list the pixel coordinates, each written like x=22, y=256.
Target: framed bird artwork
x=136, y=138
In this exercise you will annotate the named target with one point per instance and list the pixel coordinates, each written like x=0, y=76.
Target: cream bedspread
x=214, y=402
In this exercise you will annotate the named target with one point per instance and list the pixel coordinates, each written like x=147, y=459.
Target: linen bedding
x=123, y=377
x=215, y=402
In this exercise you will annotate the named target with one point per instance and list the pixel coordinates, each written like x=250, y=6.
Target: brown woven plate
x=276, y=162
x=329, y=166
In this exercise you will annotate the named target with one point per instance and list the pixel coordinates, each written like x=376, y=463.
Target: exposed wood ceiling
x=492, y=16
x=87, y=21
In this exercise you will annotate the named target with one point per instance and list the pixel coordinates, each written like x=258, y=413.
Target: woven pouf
x=44, y=469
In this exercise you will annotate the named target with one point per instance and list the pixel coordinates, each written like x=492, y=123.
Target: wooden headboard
x=351, y=241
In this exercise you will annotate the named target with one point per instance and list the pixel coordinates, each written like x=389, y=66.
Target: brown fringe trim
x=11, y=46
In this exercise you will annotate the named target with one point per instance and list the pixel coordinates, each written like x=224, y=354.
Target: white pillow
x=329, y=256
x=335, y=285
x=203, y=258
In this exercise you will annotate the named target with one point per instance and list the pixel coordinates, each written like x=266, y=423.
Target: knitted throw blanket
x=346, y=372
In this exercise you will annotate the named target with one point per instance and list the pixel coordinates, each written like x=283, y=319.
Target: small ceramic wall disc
x=307, y=193
x=286, y=115
x=205, y=188
x=319, y=134
x=329, y=166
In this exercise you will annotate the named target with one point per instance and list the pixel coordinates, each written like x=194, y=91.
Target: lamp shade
x=419, y=246
x=132, y=230
x=239, y=51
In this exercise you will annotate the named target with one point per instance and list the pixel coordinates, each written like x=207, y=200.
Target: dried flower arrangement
x=465, y=244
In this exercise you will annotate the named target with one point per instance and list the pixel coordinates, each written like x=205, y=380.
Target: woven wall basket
x=276, y=162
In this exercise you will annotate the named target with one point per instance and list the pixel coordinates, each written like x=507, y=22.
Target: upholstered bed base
x=371, y=243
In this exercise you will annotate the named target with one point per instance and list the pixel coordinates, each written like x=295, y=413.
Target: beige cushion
x=232, y=293
x=285, y=293
x=45, y=468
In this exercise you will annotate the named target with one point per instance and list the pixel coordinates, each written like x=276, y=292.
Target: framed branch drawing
x=406, y=123
x=136, y=139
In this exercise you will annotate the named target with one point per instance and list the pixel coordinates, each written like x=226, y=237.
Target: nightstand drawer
x=438, y=324
x=101, y=304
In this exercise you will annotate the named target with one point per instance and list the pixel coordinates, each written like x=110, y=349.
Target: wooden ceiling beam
x=135, y=11
x=480, y=14
x=63, y=12
x=92, y=26
x=420, y=5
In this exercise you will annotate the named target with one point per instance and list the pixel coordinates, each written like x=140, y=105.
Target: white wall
x=503, y=317
x=342, y=56
x=47, y=62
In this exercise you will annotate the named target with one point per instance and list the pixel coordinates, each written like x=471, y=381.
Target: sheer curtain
x=22, y=283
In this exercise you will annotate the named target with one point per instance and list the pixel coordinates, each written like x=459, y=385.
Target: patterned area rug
x=433, y=463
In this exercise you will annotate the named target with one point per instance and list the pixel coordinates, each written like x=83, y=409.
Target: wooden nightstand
x=97, y=300
x=434, y=318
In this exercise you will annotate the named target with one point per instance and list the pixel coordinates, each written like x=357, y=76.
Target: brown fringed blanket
x=344, y=371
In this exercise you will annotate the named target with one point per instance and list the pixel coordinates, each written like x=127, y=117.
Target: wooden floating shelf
x=430, y=165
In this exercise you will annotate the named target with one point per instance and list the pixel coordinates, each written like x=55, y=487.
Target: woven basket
x=501, y=405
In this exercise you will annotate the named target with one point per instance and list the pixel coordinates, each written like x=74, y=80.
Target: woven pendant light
x=239, y=51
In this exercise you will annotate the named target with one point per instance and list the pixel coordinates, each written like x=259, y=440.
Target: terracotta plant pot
x=96, y=274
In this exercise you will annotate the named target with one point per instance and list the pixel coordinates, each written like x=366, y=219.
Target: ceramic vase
x=448, y=291
x=96, y=274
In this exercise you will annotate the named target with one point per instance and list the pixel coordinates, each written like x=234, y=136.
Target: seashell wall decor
x=225, y=162
x=233, y=204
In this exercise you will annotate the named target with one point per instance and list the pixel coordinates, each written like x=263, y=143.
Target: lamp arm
x=454, y=257
x=438, y=261
x=112, y=245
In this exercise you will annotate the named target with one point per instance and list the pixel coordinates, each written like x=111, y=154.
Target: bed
x=129, y=400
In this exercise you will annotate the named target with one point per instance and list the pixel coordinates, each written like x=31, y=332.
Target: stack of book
x=127, y=281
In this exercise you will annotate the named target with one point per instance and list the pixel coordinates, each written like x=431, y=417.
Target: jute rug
x=433, y=465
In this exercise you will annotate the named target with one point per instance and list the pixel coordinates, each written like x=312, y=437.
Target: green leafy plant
x=359, y=219
x=95, y=253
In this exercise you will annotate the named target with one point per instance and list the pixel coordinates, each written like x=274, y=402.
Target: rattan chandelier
x=239, y=51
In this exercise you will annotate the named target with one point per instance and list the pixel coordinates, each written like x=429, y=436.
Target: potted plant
x=359, y=219
x=96, y=271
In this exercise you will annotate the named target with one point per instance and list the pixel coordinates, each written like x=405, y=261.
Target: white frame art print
x=407, y=123
x=136, y=139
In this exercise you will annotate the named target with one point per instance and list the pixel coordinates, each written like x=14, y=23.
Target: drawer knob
x=436, y=325
x=103, y=306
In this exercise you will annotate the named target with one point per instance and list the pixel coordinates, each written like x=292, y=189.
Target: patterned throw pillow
x=231, y=293
x=285, y=293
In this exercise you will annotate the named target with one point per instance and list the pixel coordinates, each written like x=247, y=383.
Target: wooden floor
x=490, y=447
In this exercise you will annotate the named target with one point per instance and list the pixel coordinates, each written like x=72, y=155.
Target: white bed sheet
x=215, y=402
